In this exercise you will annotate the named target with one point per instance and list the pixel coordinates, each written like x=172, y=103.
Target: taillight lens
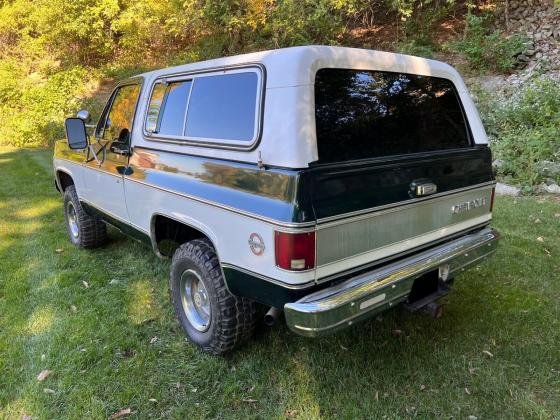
x=295, y=251
x=492, y=199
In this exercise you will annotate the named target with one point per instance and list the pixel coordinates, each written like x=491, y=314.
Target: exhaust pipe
x=271, y=316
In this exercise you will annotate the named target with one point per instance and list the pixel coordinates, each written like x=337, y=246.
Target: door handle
x=422, y=188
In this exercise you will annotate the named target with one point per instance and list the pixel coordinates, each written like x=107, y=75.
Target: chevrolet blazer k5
x=326, y=183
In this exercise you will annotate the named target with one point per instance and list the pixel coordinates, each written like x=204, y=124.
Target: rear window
x=364, y=114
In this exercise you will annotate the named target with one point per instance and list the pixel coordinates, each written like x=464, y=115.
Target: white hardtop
x=297, y=66
x=288, y=138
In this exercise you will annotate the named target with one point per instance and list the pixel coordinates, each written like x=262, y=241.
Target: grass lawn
x=102, y=322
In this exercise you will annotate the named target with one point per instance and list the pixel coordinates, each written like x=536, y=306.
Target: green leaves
x=525, y=129
x=487, y=49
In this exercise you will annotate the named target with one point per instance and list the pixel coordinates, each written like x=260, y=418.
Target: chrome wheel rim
x=72, y=220
x=195, y=300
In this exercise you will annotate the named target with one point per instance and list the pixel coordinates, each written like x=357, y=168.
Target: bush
x=55, y=51
x=524, y=129
x=33, y=107
x=416, y=48
x=486, y=49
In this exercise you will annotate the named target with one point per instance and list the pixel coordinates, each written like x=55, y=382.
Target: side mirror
x=84, y=115
x=76, y=133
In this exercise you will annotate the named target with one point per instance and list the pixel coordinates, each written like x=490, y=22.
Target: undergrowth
x=487, y=48
x=523, y=125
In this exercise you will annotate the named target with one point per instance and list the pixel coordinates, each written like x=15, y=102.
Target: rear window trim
x=376, y=159
x=204, y=142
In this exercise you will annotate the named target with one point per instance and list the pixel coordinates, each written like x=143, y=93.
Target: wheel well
x=64, y=180
x=169, y=234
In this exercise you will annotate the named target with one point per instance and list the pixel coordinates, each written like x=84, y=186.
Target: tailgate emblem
x=423, y=187
x=468, y=205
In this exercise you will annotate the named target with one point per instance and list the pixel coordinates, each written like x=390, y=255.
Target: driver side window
x=118, y=121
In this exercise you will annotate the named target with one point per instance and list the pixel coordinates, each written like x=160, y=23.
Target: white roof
x=290, y=76
x=297, y=66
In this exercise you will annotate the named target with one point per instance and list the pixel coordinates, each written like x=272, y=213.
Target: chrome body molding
x=283, y=226
x=361, y=268
x=362, y=296
x=405, y=227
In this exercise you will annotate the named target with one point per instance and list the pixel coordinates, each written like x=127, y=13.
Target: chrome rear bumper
x=362, y=296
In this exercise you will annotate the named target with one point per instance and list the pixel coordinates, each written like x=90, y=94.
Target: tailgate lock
x=422, y=187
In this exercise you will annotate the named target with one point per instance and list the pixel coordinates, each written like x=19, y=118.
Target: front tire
x=84, y=231
x=213, y=318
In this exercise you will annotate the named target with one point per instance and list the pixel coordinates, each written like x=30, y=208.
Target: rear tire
x=213, y=318
x=84, y=231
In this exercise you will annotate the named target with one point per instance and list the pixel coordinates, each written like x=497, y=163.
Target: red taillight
x=295, y=251
x=492, y=199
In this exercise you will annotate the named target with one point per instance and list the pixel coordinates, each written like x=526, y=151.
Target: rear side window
x=175, y=105
x=223, y=107
x=166, y=112
x=208, y=108
x=364, y=114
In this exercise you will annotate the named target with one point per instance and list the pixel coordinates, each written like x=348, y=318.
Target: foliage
x=33, y=108
x=487, y=49
x=524, y=129
x=413, y=47
x=56, y=53
x=419, y=18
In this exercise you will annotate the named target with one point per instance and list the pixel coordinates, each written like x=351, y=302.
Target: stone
x=504, y=189
x=553, y=189
x=491, y=83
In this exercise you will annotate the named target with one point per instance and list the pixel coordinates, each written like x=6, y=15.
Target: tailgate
x=367, y=211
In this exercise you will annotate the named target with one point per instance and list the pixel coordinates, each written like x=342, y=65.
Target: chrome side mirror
x=84, y=115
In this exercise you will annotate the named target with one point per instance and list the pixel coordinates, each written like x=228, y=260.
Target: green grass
x=103, y=360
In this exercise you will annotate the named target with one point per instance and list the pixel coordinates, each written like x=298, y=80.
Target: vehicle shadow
x=387, y=365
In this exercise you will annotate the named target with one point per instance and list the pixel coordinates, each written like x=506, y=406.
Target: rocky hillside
x=539, y=21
